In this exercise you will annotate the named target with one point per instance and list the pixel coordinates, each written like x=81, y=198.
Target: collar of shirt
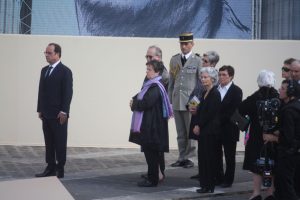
x=54, y=65
x=223, y=90
x=187, y=55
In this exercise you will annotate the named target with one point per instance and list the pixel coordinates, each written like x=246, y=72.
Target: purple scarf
x=137, y=116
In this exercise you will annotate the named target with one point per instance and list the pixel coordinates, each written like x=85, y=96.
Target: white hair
x=266, y=79
x=212, y=72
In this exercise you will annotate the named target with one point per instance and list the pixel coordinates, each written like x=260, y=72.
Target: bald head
x=295, y=70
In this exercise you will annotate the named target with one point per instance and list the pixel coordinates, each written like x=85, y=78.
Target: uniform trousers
x=186, y=146
x=55, y=136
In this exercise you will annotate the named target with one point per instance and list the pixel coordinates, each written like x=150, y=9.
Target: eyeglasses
x=285, y=69
x=148, y=57
x=206, y=61
x=48, y=53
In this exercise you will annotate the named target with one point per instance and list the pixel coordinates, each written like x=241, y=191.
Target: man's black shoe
x=146, y=183
x=188, y=164
x=46, y=173
x=197, y=176
x=60, y=173
x=178, y=164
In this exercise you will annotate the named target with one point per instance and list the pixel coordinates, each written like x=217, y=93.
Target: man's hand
x=62, y=117
x=196, y=130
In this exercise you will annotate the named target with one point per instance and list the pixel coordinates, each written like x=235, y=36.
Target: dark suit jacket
x=231, y=101
x=55, y=91
x=208, y=114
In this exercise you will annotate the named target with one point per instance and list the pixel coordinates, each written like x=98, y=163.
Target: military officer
x=184, y=70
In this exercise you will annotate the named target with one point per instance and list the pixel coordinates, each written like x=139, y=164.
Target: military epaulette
x=176, y=55
x=197, y=54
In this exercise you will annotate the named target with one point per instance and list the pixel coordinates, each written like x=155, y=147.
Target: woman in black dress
x=254, y=145
x=207, y=129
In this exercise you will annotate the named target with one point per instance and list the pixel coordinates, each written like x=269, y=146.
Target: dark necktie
x=48, y=71
x=183, y=60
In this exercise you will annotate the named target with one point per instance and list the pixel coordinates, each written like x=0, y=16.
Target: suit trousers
x=207, y=160
x=186, y=146
x=229, y=148
x=55, y=136
x=152, y=159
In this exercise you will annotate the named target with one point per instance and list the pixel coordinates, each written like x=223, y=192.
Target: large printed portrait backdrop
x=164, y=18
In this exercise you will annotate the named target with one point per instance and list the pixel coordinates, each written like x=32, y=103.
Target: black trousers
x=229, y=148
x=286, y=166
x=207, y=161
x=161, y=160
x=55, y=136
x=152, y=159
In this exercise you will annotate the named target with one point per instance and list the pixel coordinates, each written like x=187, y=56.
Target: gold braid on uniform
x=174, y=70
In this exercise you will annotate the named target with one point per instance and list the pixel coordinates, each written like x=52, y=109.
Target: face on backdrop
x=286, y=72
x=224, y=78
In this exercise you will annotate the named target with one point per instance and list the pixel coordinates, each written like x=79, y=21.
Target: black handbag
x=239, y=120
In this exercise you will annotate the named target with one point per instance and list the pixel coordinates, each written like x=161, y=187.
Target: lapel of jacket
x=228, y=93
x=55, y=70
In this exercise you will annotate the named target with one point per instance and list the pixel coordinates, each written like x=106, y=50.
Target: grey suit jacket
x=183, y=79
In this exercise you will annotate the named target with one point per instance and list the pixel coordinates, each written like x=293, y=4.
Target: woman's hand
x=193, y=109
x=269, y=137
x=196, y=130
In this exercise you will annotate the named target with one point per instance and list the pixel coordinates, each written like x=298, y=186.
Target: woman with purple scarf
x=149, y=126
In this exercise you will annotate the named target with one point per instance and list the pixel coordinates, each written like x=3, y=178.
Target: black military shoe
x=188, y=164
x=178, y=164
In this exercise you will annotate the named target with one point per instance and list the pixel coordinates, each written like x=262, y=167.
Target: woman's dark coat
x=154, y=131
x=255, y=142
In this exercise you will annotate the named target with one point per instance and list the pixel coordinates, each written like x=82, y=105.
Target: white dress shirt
x=224, y=89
x=53, y=66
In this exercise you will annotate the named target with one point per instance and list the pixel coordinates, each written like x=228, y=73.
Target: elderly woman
x=210, y=59
x=149, y=126
x=254, y=145
x=207, y=129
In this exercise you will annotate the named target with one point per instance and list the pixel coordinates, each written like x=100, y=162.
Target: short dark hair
x=57, y=48
x=229, y=69
x=157, y=65
x=289, y=61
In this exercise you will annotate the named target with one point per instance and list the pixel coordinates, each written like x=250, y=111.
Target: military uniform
x=182, y=81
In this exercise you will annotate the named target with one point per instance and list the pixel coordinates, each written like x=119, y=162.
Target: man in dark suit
x=54, y=99
x=231, y=96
